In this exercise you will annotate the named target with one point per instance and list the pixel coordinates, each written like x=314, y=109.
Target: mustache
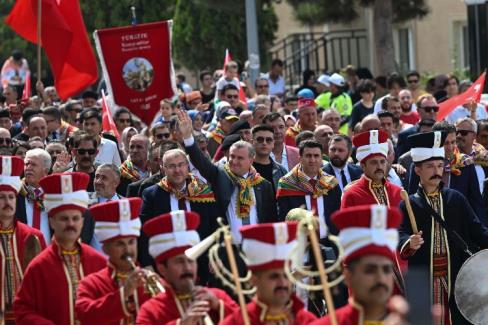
x=7, y=207
x=435, y=177
x=281, y=288
x=378, y=286
x=186, y=275
x=69, y=228
x=380, y=170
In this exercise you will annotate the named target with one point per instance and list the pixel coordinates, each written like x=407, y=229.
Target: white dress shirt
x=29, y=211
x=480, y=174
x=107, y=153
x=234, y=221
x=173, y=201
x=337, y=174
x=102, y=199
x=462, y=112
x=320, y=208
x=284, y=159
x=394, y=178
x=276, y=87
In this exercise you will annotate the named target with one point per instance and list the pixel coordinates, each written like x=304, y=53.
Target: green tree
x=385, y=13
x=203, y=29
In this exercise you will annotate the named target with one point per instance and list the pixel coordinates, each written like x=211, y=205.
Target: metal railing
x=320, y=52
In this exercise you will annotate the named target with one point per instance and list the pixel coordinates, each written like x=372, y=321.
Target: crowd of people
x=84, y=214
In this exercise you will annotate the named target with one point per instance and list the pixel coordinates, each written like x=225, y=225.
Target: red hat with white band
x=172, y=233
x=370, y=144
x=65, y=192
x=368, y=230
x=268, y=245
x=305, y=102
x=117, y=219
x=11, y=167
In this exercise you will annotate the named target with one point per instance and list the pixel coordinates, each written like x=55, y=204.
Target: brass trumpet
x=153, y=284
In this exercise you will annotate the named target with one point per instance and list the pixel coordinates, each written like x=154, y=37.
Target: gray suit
x=223, y=187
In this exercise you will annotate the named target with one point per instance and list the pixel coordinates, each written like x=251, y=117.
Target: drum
x=471, y=289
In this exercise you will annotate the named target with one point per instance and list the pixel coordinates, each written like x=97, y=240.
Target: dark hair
x=381, y=81
x=5, y=112
x=70, y=103
x=426, y=122
x=204, y=73
x=386, y=101
x=395, y=79
x=90, y=113
x=341, y=137
x=29, y=113
x=229, y=86
x=260, y=79
x=366, y=86
x=290, y=98
x=271, y=117
x=52, y=111
x=450, y=77
x=482, y=125
x=167, y=145
x=262, y=127
x=20, y=144
x=308, y=144
x=89, y=94
x=385, y=114
x=444, y=126
x=413, y=73
x=277, y=62
x=120, y=111
x=84, y=138
x=181, y=76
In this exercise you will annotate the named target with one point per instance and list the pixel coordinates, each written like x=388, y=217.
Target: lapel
x=20, y=212
x=258, y=194
x=328, y=169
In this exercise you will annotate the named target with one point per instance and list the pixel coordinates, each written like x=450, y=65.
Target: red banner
x=137, y=66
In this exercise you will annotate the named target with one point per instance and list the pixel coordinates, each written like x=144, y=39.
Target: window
x=404, y=49
x=460, y=45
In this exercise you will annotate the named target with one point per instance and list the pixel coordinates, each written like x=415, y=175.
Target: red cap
x=172, y=233
x=371, y=143
x=306, y=102
x=268, y=245
x=368, y=230
x=65, y=191
x=11, y=168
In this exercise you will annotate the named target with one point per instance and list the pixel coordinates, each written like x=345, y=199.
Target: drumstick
x=411, y=216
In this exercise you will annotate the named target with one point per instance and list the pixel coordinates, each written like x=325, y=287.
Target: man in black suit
x=242, y=195
x=427, y=108
x=178, y=190
x=307, y=185
x=340, y=148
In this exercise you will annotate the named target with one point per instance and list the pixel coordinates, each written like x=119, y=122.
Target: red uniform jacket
x=100, y=300
x=21, y=233
x=360, y=193
x=45, y=294
x=162, y=309
x=350, y=314
x=257, y=313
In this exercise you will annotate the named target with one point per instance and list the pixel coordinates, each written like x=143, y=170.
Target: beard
x=338, y=162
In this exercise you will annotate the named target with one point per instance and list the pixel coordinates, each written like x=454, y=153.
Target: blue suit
x=403, y=145
x=355, y=171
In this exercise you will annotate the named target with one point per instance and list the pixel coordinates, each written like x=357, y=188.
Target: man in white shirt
x=275, y=79
x=107, y=178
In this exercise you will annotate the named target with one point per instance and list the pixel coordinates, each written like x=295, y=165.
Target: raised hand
x=185, y=123
x=62, y=161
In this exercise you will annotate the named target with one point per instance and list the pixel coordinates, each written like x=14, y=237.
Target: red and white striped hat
x=11, y=168
x=117, y=219
x=368, y=230
x=172, y=233
x=268, y=245
x=370, y=144
x=65, y=191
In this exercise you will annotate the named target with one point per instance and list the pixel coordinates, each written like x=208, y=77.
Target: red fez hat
x=65, y=191
x=172, y=233
x=368, y=230
x=117, y=219
x=268, y=245
x=11, y=167
x=371, y=143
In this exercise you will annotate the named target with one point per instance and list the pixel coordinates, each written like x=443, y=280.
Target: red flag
x=242, y=95
x=472, y=93
x=108, y=124
x=26, y=93
x=63, y=37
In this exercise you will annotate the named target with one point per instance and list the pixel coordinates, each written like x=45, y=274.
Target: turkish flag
x=63, y=37
x=472, y=93
x=108, y=124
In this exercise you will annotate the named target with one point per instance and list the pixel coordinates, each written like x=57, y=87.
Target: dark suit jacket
x=135, y=189
x=466, y=183
x=332, y=203
x=88, y=223
x=223, y=187
x=354, y=171
x=156, y=201
x=403, y=145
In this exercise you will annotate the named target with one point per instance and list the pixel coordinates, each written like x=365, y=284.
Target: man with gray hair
x=30, y=208
x=107, y=178
x=466, y=131
x=242, y=195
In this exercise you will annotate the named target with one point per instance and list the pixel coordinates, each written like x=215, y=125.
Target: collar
x=306, y=176
x=370, y=182
x=291, y=309
x=337, y=169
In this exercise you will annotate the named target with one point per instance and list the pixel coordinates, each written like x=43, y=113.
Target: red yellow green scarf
x=218, y=135
x=196, y=191
x=458, y=161
x=128, y=170
x=27, y=191
x=480, y=155
x=294, y=130
x=244, y=197
x=296, y=183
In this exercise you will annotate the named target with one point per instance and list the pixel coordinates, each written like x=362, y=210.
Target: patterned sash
x=196, y=190
x=296, y=183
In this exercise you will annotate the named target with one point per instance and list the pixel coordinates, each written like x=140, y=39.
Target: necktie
x=313, y=200
x=343, y=179
x=182, y=204
x=36, y=215
x=54, y=136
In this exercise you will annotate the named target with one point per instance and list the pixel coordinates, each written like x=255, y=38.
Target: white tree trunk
x=383, y=36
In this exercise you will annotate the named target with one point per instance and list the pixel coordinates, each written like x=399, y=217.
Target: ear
x=417, y=170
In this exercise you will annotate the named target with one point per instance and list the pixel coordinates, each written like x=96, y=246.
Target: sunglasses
x=85, y=151
x=463, y=132
x=163, y=135
x=430, y=109
x=6, y=141
x=413, y=81
x=262, y=139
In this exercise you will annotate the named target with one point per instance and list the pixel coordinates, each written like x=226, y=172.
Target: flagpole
x=39, y=17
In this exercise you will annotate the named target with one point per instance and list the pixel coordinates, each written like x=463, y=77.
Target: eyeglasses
x=262, y=139
x=464, y=132
x=163, y=135
x=232, y=96
x=180, y=165
x=430, y=109
x=413, y=81
x=86, y=151
x=6, y=141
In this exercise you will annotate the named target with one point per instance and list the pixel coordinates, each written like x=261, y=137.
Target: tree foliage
x=203, y=29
